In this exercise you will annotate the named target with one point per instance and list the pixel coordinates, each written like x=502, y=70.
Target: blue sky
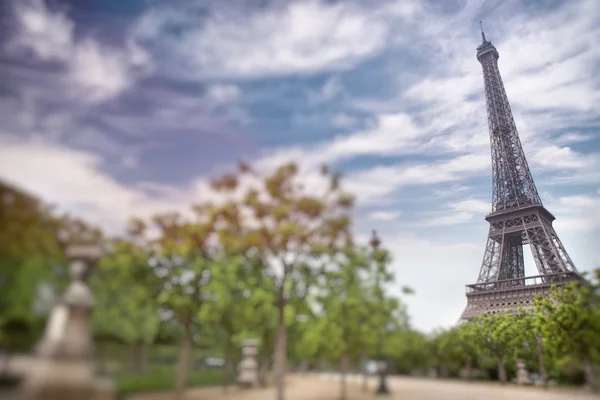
x=111, y=109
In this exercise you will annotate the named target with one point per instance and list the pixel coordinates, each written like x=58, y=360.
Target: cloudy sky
x=111, y=108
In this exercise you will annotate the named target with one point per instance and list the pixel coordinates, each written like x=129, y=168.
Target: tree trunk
x=139, y=356
x=588, y=370
x=130, y=358
x=344, y=371
x=102, y=358
x=364, y=372
x=541, y=368
x=226, y=367
x=280, y=351
x=184, y=362
x=501, y=370
x=144, y=353
x=264, y=367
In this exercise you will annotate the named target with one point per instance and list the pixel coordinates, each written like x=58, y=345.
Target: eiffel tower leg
x=491, y=259
x=513, y=265
x=549, y=253
x=559, y=249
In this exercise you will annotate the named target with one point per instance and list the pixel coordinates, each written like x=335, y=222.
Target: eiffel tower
x=518, y=216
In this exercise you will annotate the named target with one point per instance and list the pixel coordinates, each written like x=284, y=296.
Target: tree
x=528, y=339
x=570, y=321
x=411, y=350
x=33, y=264
x=29, y=251
x=125, y=290
x=289, y=227
x=445, y=346
x=496, y=339
x=468, y=344
x=225, y=306
x=183, y=260
x=345, y=310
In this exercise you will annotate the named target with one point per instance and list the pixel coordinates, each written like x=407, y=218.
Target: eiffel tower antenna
x=518, y=216
x=482, y=32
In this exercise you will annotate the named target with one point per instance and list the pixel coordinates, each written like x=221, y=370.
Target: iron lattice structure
x=518, y=216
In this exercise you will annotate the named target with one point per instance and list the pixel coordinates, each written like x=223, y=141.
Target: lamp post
x=382, y=389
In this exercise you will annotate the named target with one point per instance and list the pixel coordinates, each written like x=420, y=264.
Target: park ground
x=405, y=388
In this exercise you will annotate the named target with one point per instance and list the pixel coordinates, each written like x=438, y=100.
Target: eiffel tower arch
x=518, y=217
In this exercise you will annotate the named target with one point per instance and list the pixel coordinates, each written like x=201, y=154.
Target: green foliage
x=288, y=228
x=161, y=379
x=125, y=290
x=570, y=320
x=31, y=254
x=410, y=351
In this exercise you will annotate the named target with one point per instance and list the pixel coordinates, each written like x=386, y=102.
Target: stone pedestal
x=522, y=374
x=62, y=368
x=248, y=367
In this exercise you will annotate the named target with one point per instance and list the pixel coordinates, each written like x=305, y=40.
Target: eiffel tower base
x=511, y=294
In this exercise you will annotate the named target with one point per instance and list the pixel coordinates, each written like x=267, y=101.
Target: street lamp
x=382, y=363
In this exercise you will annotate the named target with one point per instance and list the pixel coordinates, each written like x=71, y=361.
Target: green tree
x=570, y=321
x=125, y=290
x=226, y=306
x=468, y=344
x=496, y=338
x=528, y=339
x=29, y=251
x=411, y=351
x=33, y=266
x=183, y=260
x=345, y=310
x=289, y=227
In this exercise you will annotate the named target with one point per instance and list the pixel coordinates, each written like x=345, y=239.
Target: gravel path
x=403, y=388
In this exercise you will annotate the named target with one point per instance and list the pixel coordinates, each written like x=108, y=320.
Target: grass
x=163, y=378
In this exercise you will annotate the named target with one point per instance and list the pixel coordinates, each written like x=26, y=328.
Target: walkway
x=403, y=388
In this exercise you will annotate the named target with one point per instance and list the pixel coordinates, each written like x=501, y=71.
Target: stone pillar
x=248, y=367
x=63, y=367
x=522, y=374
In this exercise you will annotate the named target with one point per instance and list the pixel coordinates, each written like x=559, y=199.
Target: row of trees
x=558, y=336
x=267, y=257
x=270, y=258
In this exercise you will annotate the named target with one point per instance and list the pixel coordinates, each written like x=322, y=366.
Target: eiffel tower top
x=486, y=46
x=512, y=183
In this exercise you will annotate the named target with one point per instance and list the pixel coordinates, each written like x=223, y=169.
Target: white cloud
x=96, y=72
x=74, y=181
x=285, y=38
x=376, y=184
x=577, y=212
x=384, y=215
x=472, y=205
x=554, y=157
x=392, y=134
x=101, y=73
x=456, y=218
x=48, y=35
x=223, y=93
